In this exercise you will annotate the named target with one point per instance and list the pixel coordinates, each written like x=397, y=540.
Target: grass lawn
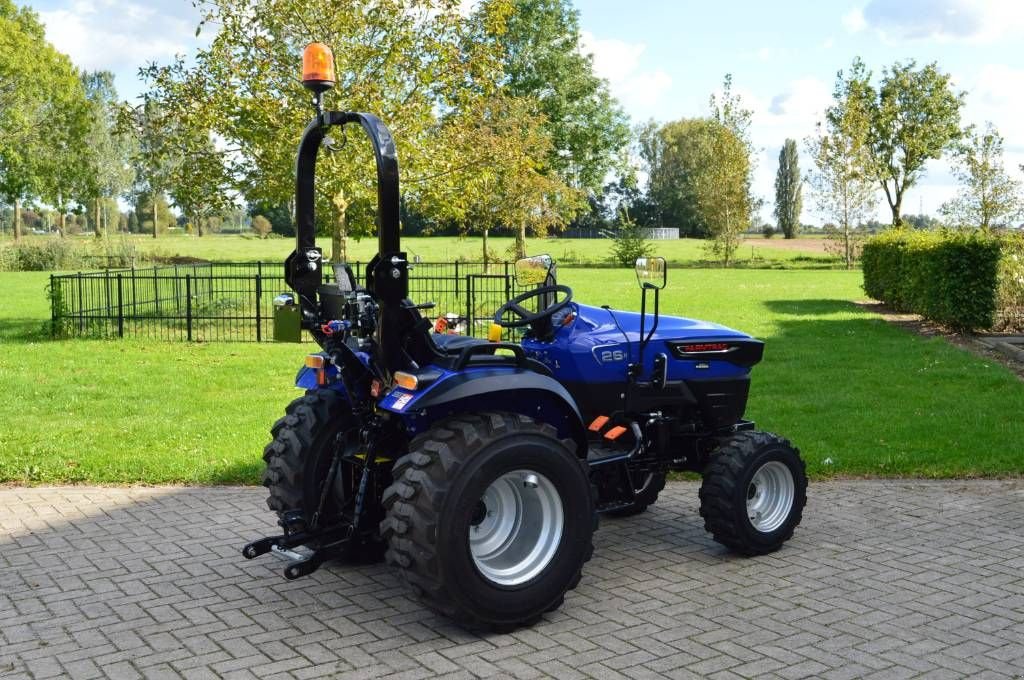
x=858, y=396
x=443, y=249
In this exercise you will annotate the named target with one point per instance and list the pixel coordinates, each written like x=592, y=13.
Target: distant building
x=661, y=233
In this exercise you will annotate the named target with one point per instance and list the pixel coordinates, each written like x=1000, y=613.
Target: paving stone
x=884, y=579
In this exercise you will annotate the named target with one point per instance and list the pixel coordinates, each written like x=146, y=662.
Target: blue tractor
x=478, y=468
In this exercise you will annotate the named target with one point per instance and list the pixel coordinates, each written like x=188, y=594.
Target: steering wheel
x=524, y=317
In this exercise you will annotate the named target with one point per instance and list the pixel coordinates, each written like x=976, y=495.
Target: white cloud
x=107, y=34
x=971, y=21
x=639, y=90
x=854, y=20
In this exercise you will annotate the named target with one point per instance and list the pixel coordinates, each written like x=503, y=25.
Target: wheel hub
x=770, y=496
x=516, y=527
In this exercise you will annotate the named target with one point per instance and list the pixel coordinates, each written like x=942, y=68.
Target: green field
x=858, y=396
x=222, y=248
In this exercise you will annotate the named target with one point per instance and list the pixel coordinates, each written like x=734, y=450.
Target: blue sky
x=663, y=58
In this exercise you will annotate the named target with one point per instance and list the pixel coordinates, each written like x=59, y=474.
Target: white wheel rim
x=516, y=528
x=770, y=496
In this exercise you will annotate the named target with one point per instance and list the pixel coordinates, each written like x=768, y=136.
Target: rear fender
x=475, y=390
x=306, y=379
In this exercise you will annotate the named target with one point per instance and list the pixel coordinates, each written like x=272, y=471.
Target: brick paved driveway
x=895, y=579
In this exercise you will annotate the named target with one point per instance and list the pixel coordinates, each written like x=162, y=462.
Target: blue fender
x=475, y=390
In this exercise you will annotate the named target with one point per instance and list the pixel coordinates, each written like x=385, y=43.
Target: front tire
x=490, y=519
x=754, y=492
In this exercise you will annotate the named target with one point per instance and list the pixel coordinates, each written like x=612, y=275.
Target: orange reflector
x=375, y=388
x=315, y=361
x=614, y=433
x=318, y=64
x=406, y=380
x=598, y=423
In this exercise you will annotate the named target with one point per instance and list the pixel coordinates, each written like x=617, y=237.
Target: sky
x=664, y=58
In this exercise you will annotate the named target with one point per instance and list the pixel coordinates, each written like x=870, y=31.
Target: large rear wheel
x=490, y=519
x=299, y=459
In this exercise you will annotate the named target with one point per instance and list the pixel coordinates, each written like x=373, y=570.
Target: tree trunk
x=60, y=221
x=199, y=226
x=17, y=219
x=339, y=234
x=98, y=227
x=154, y=215
x=521, y=241
x=485, y=249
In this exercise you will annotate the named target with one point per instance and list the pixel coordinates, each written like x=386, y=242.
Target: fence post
x=120, y=309
x=156, y=292
x=188, y=305
x=54, y=296
x=81, y=306
x=259, y=296
x=469, y=302
x=456, y=279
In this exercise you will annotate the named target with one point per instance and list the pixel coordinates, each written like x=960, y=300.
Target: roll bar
x=304, y=268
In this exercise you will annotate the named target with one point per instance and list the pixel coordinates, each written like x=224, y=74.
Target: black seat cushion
x=455, y=343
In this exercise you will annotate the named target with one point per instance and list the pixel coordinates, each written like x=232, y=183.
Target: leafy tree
x=699, y=179
x=914, y=116
x=261, y=225
x=108, y=152
x=989, y=196
x=280, y=216
x=843, y=181
x=542, y=59
x=630, y=241
x=506, y=183
x=788, y=183
x=40, y=114
x=151, y=129
x=64, y=171
x=409, y=61
x=921, y=221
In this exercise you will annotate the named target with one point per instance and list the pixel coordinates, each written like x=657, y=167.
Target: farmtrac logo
x=608, y=354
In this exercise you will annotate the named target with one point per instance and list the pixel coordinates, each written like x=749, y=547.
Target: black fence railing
x=233, y=301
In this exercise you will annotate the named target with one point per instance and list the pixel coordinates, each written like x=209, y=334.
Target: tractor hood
x=600, y=322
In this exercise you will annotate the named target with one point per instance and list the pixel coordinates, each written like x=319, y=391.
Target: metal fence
x=233, y=301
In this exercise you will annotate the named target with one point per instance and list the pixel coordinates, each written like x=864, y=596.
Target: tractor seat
x=452, y=343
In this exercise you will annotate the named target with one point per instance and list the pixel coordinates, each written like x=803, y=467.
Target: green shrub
x=37, y=255
x=950, y=277
x=1011, y=283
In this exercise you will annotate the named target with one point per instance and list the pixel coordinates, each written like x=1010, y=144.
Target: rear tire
x=754, y=492
x=490, y=519
x=299, y=457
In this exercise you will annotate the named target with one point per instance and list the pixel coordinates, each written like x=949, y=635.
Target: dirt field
x=806, y=245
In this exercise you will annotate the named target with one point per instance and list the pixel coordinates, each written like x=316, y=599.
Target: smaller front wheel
x=754, y=493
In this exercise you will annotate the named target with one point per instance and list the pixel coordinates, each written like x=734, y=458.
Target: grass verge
x=857, y=395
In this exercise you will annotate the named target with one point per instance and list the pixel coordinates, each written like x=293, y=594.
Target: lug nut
x=530, y=481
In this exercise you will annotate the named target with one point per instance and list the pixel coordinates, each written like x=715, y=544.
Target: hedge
x=950, y=277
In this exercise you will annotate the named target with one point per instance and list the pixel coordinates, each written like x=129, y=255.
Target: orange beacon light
x=317, y=67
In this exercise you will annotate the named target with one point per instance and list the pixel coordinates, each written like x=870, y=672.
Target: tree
x=788, y=183
x=914, y=116
x=151, y=129
x=261, y=225
x=65, y=172
x=40, y=109
x=108, y=151
x=542, y=58
x=843, y=182
x=989, y=196
x=505, y=182
x=630, y=241
x=409, y=61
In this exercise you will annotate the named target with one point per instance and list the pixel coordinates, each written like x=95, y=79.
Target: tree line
x=500, y=120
